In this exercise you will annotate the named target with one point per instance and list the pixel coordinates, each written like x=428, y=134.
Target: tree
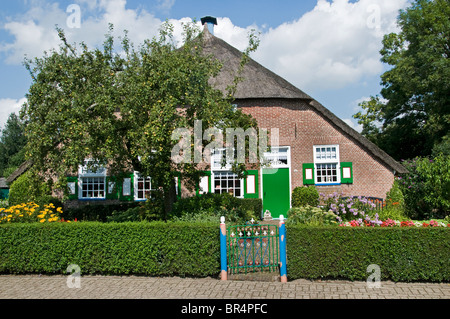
x=122, y=108
x=12, y=145
x=414, y=107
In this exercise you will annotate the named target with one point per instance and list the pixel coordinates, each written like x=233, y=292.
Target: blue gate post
x=282, y=232
x=223, y=249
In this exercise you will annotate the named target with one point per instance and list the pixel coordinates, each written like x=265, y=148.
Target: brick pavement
x=134, y=287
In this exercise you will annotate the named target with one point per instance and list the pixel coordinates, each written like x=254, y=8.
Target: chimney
x=209, y=22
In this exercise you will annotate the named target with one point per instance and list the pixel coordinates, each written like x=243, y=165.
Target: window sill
x=327, y=184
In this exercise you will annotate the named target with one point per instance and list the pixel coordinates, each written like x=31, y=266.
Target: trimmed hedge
x=193, y=249
x=140, y=248
x=403, y=254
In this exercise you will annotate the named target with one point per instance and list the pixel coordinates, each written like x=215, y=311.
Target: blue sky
x=327, y=48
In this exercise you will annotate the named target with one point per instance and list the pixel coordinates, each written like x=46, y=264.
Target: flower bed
x=394, y=223
x=31, y=212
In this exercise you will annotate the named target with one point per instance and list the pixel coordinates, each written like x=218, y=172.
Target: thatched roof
x=3, y=183
x=261, y=83
x=19, y=171
x=258, y=82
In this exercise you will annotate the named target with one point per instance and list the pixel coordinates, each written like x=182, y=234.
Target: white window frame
x=214, y=174
x=84, y=174
x=136, y=178
x=334, y=160
x=272, y=158
x=218, y=155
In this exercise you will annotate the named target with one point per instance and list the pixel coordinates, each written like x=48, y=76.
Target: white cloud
x=334, y=45
x=35, y=32
x=232, y=34
x=165, y=5
x=8, y=106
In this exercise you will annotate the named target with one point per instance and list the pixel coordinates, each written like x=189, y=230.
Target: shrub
x=130, y=215
x=140, y=248
x=426, y=187
x=351, y=208
x=216, y=205
x=403, y=253
x=394, y=207
x=4, y=203
x=23, y=190
x=98, y=212
x=310, y=215
x=306, y=195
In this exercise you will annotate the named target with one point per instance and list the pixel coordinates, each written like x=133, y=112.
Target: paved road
x=133, y=287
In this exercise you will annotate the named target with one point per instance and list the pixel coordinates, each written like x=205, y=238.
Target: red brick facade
x=301, y=127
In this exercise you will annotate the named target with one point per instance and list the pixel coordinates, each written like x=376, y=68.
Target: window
x=326, y=173
x=278, y=157
x=217, y=159
x=142, y=187
x=326, y=162
x=92, y=180
x=92, y=187
x=227, y=182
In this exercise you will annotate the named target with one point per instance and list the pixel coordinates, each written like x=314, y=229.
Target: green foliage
x=77, y=94
x=12, y=145
x=99, y=212
x=130, y=248
x=403, y=254
x=309, y=215
x=130, y=215
x=24, y=190
x=215, y=205
x=426, y=187
x=442, y=147
x=413, y=107
x=4, y=203
x=302, y=196
x=350, y=208
x=394, y=207
x=153, y=207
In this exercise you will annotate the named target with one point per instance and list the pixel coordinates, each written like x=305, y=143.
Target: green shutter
x=73, y=179
x=178, y=185
x=197, y=188
x=346, y=173
x=119, y=185
x=252, y=177
x=308, y=169
x=111, y=193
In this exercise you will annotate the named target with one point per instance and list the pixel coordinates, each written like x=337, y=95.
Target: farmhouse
x=315, y=148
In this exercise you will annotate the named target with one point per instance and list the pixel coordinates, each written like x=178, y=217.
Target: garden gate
x=253, y=247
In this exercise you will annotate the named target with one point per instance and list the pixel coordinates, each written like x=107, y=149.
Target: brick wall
x=300, y=127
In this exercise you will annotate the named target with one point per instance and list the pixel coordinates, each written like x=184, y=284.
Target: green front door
x=276, y=191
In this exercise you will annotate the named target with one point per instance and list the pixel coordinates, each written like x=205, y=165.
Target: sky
x=327, y=48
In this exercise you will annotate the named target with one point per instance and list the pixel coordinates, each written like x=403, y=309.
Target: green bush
x=216, y=205
x=139, y=248
x=98, y=212
x=309, y=215
x=394, y=207
x=306, y=195
x=426, y=187
x=403, y=254
x=22, y=190
x=130, y=215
